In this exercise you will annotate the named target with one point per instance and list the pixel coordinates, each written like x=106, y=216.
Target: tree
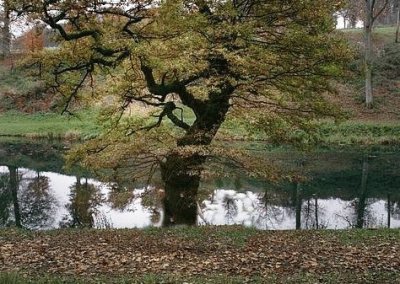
x=397, y=23
x=193, y=63
x=33, y=40
x=353, y=12
x=5, y=29
x=371, y=14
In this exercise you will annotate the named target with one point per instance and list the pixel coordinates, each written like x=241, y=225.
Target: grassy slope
x=200, y=255
x=386, y=94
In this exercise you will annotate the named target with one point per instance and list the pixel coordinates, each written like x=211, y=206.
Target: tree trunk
x=368, y=54
x=316, y=214
x=397, y=40
x=298, y=206
x=14, y=193
x=6, y=33
x=181, y=176
x=181, y=173
x=389, y=210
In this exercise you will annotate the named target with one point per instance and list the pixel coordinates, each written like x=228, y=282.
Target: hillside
x=386, y=78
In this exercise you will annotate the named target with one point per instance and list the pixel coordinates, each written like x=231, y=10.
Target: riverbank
x=83, y=126
x=200, y=255
x=49, y=125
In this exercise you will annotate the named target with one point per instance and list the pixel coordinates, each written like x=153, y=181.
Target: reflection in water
x=337, y=191
x=84, y=200
x=26, y=199
x=181, y=177
x=314, y=214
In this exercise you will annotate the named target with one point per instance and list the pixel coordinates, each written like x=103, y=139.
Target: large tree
x=193, y=62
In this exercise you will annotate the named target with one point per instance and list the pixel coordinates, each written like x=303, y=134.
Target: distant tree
x=33, y=40
x=352, y=12
x=5, y=16
x=397, y=23
x=266, y=62
x=373, y=10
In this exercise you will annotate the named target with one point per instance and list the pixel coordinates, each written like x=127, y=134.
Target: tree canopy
x=193, y=63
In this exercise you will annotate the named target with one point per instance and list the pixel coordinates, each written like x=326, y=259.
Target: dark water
x=336, y=190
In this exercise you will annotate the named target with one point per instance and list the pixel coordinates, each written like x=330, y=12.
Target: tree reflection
x=231, y=209
x=5, y=200
x=84, y=198
x=26, y=202
x=392, y=207
x=272, y=213
x=181, y=177
x=313, y=214
x=13, y=188
x=363, y=215
x=41, y=203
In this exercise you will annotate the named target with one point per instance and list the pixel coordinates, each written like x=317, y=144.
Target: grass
x=48, y=125
x=381, y=35
x=15, y=278
x=361, y=133
x=83, y=126
x=364, y=236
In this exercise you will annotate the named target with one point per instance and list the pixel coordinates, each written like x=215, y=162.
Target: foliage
x=265, y=62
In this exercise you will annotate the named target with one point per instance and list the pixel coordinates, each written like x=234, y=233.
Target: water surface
x=336, y=190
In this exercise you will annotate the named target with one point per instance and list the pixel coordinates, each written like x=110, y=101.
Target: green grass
x=380, y=34
x=364, y=236
x=345, y=277
x=361, y=133
x=52, y=125
x=48, y=125
x=15, y=278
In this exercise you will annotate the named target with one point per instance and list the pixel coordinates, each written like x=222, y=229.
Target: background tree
x=5, y=14
x=352, y=12
x=193, y=63
x=397, y=23
x=373, y=10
